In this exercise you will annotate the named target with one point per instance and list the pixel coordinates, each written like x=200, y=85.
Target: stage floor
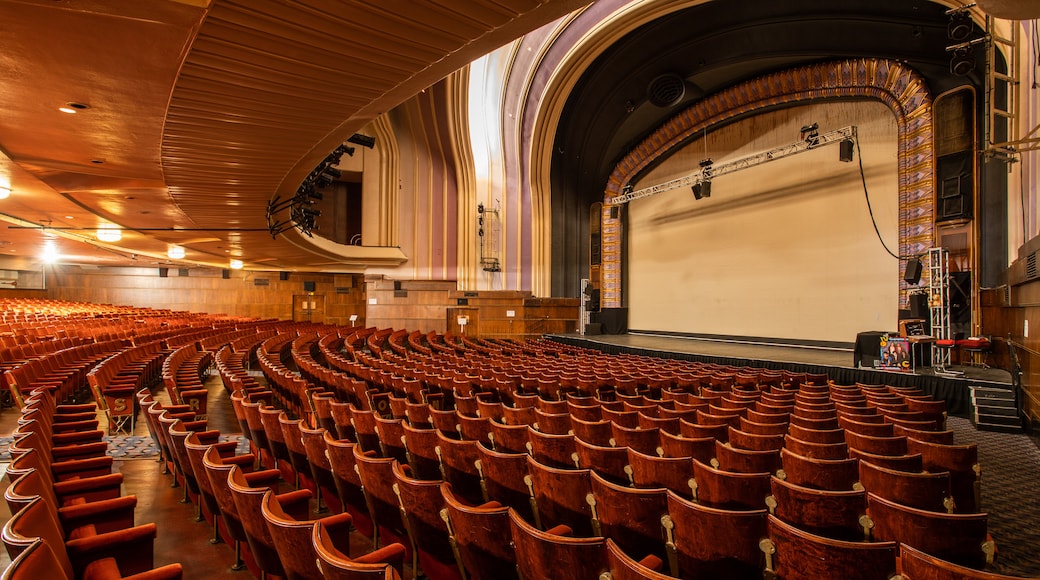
x=777, y=354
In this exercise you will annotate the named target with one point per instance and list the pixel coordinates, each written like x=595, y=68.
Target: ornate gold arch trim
x=902, y=89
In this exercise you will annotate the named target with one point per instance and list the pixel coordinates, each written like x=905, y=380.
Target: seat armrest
x=296, y=503
x=392, y=554
x=105, y=515
x=267, y=477
x=89, y=488
x=79, y=468
x=132, y=548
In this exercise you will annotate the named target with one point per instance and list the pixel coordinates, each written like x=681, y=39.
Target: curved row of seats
x=462, y=387
x=374, y=438
x=69, y=519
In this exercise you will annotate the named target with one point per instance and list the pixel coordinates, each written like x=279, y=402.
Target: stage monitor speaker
x=164, y=272
x=225, y=273
x=846, y=151
x=309, y=285
x=283, y=276
x=913, y=271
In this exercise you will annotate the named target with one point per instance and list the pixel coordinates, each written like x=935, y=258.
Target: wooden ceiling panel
x=201, y=110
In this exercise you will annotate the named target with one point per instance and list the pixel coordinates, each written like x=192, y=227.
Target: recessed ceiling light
x=73, y=107
x=68, y=217
x=5, y=192
x=175, y=252
x=235, y=264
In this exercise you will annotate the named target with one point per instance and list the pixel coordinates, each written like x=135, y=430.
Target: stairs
x=995, y=410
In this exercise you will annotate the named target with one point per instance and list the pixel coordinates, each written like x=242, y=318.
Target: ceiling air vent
x=1031, y=266
x=666, y=90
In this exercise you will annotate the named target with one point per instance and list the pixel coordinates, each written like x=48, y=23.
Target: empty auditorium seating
x=793, y=554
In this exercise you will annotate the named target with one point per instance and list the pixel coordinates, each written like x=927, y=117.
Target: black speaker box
x=919, y=306
x=283, y=276
x=955, y=177
x=615, y=212
x=309, y=285
x=164, y=272
x=846, y=151
x=614, y=320
x=913, y=271
x=225, y=273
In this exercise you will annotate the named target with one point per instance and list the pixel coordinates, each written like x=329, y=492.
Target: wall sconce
x=235, y=264
x=109, y=235
x=175, y=252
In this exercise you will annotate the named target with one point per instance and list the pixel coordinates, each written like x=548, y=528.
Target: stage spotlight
x=706, y=168
x=702, y=190
x=327, y=176
x=811, y=134
x=363, y=140
x=962, y=62
x=960, y=26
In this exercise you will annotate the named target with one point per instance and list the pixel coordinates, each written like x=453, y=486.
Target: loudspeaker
x=283, y=276
x=309, y=285
x=615, y=212
x=956, y=178
x=913, y=271
x=919, y=306
x=225, y=273
x=845, y=151
x=164, y=272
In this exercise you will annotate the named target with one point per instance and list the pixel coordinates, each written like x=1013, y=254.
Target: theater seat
x=793, y=554
x=546, y=554
x=38, y=561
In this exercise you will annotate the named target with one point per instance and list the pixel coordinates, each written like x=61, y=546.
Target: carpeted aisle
x=1010, y=494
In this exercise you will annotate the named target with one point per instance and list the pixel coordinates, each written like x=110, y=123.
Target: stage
x=837, y=362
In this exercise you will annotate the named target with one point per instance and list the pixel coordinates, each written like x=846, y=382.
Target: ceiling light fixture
x=5, y=192
x=175, y=252
x=235, y=264
x=73, y=108
x=110, y=235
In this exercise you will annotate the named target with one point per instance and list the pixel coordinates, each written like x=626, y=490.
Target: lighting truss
x=688, y=181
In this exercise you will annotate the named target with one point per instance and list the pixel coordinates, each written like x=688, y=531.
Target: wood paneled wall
x=427, y=305
x=409, y=304
x=253, y=294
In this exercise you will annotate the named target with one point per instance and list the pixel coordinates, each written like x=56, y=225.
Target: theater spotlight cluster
x=702, y=188
x=302, y=213
x=960, y=31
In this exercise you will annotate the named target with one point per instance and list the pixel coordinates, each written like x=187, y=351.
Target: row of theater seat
x=274, y=439
x=422, y=500
x=69, y=519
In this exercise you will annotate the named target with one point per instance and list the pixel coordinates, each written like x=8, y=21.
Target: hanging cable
x=870, y=209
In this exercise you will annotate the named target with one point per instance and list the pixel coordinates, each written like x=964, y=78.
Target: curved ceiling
x=192, y=114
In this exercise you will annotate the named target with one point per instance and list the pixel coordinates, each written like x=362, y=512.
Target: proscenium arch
x=903, y=90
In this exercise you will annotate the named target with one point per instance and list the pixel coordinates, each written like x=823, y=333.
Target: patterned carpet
x=1010, y=494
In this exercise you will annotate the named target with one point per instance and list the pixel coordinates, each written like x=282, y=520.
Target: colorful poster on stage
x=895, y=354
